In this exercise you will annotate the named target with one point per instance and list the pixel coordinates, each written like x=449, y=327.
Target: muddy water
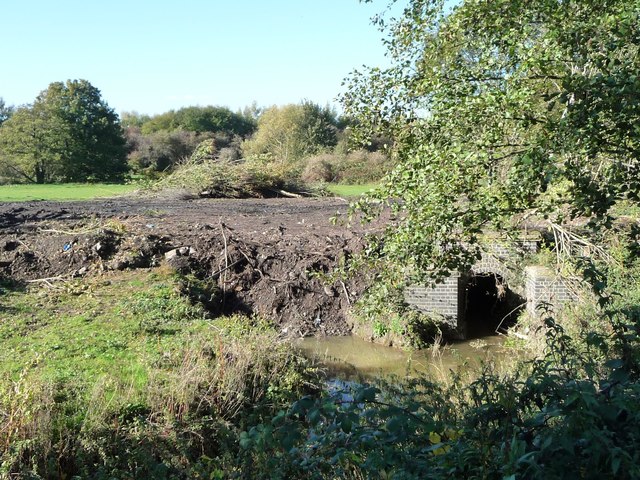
x=349, y=357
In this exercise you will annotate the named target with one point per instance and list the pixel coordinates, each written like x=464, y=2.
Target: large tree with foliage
x=501, y=109
x=31, y=146
x=291, y=132
x=68, y=134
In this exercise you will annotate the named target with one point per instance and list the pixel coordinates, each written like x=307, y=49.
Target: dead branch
x=346, y=293
x=284, y=193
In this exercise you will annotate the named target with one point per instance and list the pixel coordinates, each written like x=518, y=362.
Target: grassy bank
x=66, y=191
x=124, y=376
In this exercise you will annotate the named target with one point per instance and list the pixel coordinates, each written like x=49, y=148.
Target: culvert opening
x=490, y=305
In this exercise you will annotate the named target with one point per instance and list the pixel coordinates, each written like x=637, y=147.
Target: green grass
x=123, y=376
x=340, y=190
x=65, y=191
x=93, y=329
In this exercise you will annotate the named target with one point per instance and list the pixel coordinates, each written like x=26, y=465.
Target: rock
x=180, y=264
x=192, y=251
x=184, y=251
x=121, y=264
x=329, y=291
x=171, y=254
x=98, y=247
x=81, y=271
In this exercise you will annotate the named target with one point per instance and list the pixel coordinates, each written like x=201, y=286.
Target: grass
x=340, y=190
x=91, y=329
x=65, y=191
x=83, y=191
x=123, y=376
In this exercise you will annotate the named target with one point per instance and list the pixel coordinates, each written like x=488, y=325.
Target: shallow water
x=349, y=357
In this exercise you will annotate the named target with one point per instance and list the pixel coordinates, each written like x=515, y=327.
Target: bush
x=362, y=166
x=357, y=167
x=319, y=168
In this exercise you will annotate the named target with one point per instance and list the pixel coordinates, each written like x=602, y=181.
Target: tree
x=31, y=145
x=68, y=134
x=200, y=120
x=133, y=119
x=5, y=111
x=499, y=110
x=292, y=132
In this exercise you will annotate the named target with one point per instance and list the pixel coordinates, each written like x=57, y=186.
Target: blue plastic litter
x=67, y=247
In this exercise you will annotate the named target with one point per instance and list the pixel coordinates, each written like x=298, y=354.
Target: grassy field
x=66, y=191
x=123, y=376
x=83, y=191
x=350, y=190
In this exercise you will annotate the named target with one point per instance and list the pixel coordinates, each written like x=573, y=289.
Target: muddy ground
x=267, y=256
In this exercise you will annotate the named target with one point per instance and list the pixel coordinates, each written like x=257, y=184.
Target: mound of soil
x=269, y=257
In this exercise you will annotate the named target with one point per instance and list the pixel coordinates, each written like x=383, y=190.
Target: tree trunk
x=40, y=175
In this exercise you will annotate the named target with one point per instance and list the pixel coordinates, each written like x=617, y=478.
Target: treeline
x=69, y=133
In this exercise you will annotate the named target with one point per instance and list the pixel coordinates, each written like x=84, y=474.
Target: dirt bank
x=266, y=255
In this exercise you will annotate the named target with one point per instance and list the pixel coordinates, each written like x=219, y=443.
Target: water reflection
x=348, y=357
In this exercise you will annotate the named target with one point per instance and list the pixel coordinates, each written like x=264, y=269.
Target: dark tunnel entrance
x=490, y=305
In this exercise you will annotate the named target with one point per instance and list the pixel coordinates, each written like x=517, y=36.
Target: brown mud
x=267, y=256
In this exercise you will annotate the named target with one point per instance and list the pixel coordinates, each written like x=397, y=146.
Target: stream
x=348, y=358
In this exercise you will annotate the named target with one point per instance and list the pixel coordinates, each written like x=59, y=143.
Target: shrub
x=356, y=167
x=362, y=166
x=319, y=168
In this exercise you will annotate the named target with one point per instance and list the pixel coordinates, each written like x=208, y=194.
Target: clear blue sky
x=152, y=56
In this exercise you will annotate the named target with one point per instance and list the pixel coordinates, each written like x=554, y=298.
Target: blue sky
x=152, y=56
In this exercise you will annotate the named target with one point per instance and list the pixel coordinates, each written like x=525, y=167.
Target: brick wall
x=542, y=287
x=447, y=299
x=442, y=299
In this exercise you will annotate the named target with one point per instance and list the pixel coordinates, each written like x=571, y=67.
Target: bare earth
x=265, y=254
